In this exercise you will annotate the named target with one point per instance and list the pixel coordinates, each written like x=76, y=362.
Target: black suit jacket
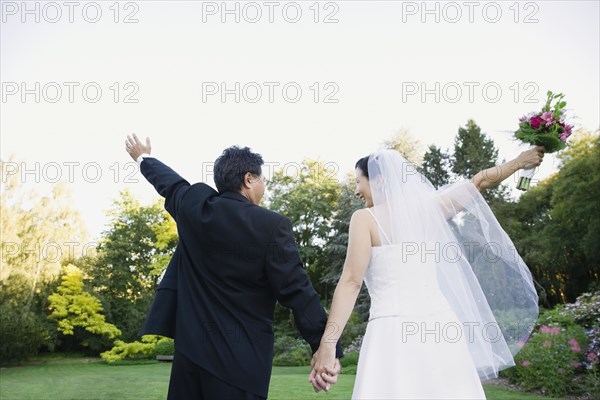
x=233, y=262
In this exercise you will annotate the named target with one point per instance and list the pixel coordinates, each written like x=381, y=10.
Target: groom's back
x=225, y=300
x=229, y=240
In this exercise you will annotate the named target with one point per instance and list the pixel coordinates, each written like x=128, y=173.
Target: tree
x=436, y=165
x=473, y=152
x=525, y=222
x=309, y=198
x=575, y=228
x=403, y=142
x=39, y=233
x=334, y=252
x=23, y=330
x=555, y=224
x=72, y=307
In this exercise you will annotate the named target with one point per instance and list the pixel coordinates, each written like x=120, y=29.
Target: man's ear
x=247, y=179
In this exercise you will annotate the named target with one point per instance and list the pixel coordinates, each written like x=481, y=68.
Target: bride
x=451, y=300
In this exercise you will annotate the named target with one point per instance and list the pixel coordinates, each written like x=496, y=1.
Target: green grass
x=85, y=380
x=292, y=383
x=61, y=378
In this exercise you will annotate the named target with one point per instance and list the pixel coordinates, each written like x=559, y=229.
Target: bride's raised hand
x=531, y=158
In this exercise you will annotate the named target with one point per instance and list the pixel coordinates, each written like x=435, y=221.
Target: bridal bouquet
x=545, y=128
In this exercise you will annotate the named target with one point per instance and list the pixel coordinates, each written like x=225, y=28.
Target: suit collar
x=234, y=196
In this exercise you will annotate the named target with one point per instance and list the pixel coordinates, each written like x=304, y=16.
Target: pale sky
x=490, y=61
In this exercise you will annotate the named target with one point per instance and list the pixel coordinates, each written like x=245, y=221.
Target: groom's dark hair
x=232, y=166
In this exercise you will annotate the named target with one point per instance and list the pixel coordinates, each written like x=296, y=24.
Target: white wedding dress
x=414, y=346
x=452, y=301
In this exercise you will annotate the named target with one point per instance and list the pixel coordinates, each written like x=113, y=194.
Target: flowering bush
x=563, y=355
x=354, y=347
x=550, y=359
x=585, y=312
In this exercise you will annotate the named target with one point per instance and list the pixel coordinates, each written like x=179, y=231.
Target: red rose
x=536, y=122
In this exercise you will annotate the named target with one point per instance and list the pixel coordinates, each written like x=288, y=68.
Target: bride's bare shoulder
x=362, y=223
x=361, y=217
x=360, y=213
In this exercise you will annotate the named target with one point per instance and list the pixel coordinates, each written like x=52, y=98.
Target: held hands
x=325, y=368
x=135, y=147
x=531, y=158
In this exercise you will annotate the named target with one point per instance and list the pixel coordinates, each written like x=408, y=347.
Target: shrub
x=550, y=359
x=165, y=347
x=563, y=354
x=355, y=328
x=291, y=351
x=586, y=313
x=22, y=334
x=349, y=370
x=24, y=329
x=132, y=351
x=354, y=347
x=349, y=359
x=349, y=363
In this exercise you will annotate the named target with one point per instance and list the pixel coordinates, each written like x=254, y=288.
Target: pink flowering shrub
x=563, y=354
x=550, y=359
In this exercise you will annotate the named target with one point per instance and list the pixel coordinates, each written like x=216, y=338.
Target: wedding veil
x=479, y=271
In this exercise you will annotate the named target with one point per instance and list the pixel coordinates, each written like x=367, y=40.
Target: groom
x=234, y=260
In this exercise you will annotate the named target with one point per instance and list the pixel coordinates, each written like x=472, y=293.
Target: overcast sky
x=327, y=80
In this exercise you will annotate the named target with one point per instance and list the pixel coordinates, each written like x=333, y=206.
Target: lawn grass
x=86, y=379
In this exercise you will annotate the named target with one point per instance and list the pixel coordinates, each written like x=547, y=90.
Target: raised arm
x=493, y=176
x=168, y=183
x=488, y=178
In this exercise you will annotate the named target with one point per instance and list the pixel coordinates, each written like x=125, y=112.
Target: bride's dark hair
x=363, y=165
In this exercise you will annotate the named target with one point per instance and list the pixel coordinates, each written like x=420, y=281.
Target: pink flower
x=536, y=122
x=574, y=345
x=545, y=329
x=547, y=116
x=566, y=133
x=550, y=330
x=593, y=357
x=525, y=363
x=568, y=129
x=575, y=364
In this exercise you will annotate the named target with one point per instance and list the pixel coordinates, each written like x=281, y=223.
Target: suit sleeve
x=168, y=183
x=292, y=287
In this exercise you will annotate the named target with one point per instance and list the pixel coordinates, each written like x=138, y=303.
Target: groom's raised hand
x=135, y=147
